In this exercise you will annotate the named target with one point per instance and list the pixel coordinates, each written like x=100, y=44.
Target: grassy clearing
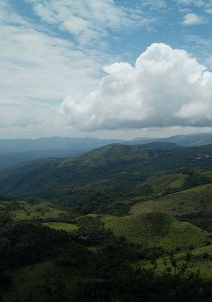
x=203, y=266
x=42, y=210
x=195, y=200
x=61, y=226
x=157, y=229
x=200, y=260
x=184, y=235
x=172, y=181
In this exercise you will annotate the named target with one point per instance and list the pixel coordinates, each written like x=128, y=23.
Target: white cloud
x=209, y=11
x=204, y=5
x=42, y=60
x=154, y=5
x=89, y=21
x=198, y=3
x=165, y=88
x=201, y=47
x=194, y=110
x=39, y=66
x=38, y=70
x=192, y=19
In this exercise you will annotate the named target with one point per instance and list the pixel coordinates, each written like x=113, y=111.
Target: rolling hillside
x=125, y=212
x=195, y=200
x=111, y=167
x=14, y=151
x=157, y=229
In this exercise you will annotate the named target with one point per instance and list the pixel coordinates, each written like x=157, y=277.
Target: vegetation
x=158, y=229
x=121, y=223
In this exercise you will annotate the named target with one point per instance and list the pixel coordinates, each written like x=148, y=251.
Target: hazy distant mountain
x=89, y=143
x=53, y=143
x=12, y=158
x=162, y=145
x=199, y=139
x=140, y=141
x=63, y=143
x=13, y=151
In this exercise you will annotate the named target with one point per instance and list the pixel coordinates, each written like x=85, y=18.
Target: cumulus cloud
x=166, y=87
x=36, y=70
x=192, y=19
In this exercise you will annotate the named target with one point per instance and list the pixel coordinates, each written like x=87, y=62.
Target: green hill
x=157, y=229
x=114, y=167
x=69, y=235
x=195, y=200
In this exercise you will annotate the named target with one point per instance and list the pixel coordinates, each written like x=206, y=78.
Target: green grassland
x=29, y=211
x=157, y=229
x=161, y=184
x=32, y=282
x=198, y=259
x=195, y=200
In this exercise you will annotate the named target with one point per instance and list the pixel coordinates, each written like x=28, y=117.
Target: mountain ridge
x=14, y=151
x=89, y=143
x=114, y=166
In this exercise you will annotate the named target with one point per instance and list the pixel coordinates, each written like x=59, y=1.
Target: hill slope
x=195, y=200
x=113, y=167
x=13, y=151
x=157, y=229
x=198, y=139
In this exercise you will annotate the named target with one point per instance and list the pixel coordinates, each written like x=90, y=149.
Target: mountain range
x=14, y=151
x=115, y=166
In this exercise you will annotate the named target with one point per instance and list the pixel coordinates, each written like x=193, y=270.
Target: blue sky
x=105, y=68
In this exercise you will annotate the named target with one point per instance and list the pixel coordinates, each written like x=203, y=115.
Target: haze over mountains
x=13, y=151
x=89, y=143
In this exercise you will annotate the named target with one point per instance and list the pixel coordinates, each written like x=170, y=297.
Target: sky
x=105, y=68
